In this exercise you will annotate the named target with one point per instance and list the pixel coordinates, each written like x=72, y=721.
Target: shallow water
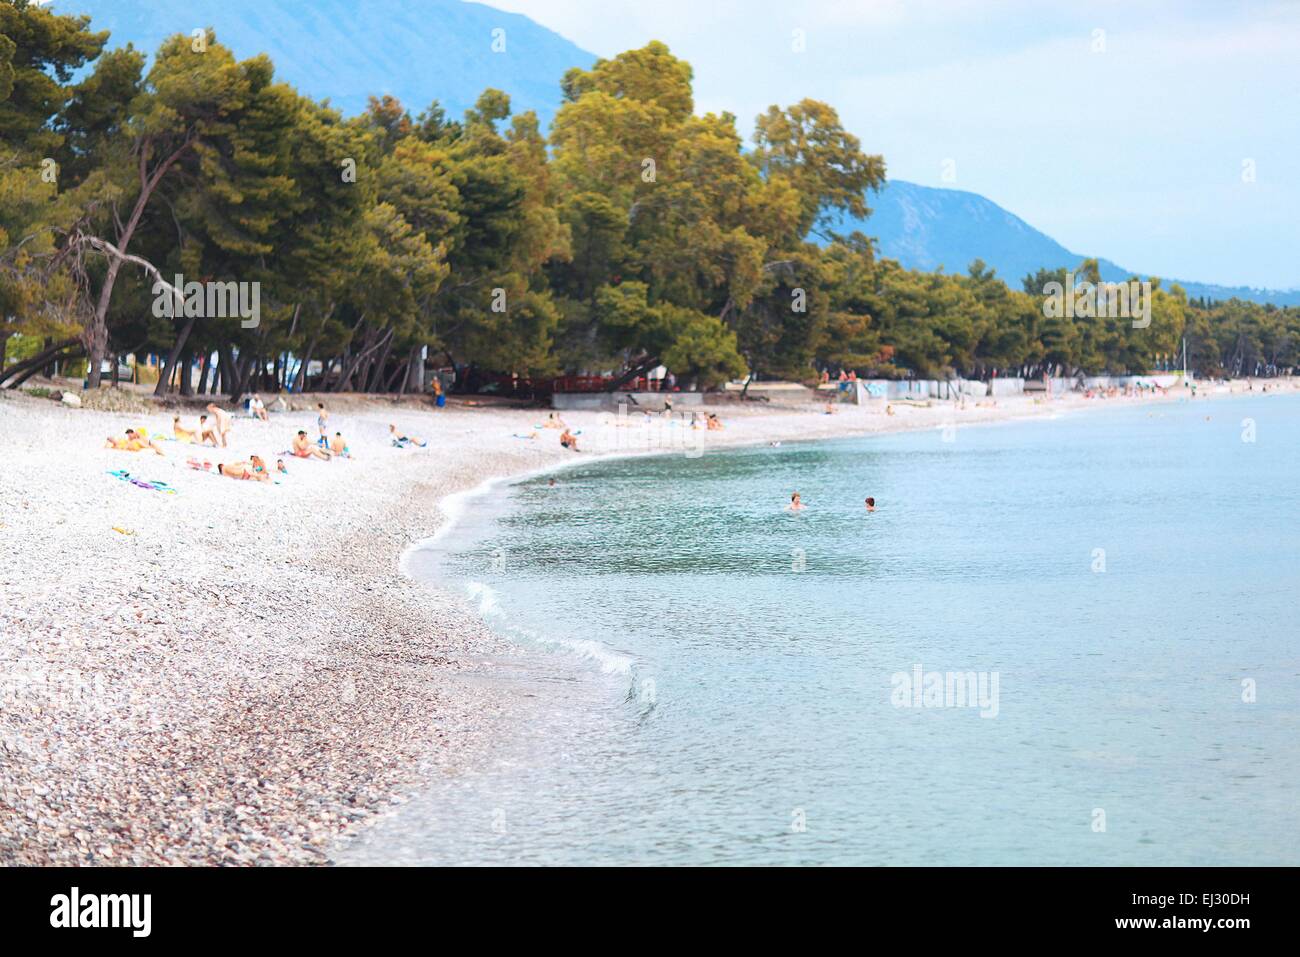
x=713, y=679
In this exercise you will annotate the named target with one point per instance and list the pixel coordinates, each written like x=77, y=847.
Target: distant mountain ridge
x=347, y=50
x=928, y=228
x=421, y=50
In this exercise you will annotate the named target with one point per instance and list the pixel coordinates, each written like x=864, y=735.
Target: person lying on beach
x=796, y=503
x=182, y=434
x=223, y=422
x=132, y=443
x=403, y=440
x=340, y=447
x=569, y=440
x=871, y=504
x=305, y=450
x=243, y=471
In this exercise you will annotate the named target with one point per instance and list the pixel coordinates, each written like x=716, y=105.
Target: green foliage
x=639, y=234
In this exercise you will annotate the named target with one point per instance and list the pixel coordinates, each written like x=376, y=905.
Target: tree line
x=633, y=234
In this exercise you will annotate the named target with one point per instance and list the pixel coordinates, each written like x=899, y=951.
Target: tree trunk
x=165, y=373
x=97, y=334
x=377, y=375
x=205, y=374
x=636, y=371
x=186, y=368
x=20, y=372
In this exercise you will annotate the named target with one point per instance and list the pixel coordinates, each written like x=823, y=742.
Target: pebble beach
x=238, y=673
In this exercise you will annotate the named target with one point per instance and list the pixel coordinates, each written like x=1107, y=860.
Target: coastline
x=242, y=679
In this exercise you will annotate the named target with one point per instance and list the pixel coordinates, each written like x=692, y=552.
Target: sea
x=1066, y=640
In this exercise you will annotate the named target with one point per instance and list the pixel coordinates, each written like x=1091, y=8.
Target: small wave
x=610, y=661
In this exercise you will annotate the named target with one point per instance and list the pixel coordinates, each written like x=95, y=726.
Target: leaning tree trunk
x=96, y=337
x=19, y=373
x=165, y=373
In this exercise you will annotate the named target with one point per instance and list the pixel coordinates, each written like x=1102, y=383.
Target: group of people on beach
x=216, y=426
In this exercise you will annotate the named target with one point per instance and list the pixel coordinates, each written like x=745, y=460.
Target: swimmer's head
x=871, y=503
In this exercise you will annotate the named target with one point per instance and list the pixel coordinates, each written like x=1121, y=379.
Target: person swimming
x=796, y=503
x=871, y=504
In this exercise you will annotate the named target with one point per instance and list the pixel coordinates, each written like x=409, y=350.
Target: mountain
x=421, y=50
x=927, y=228
x=346, y=50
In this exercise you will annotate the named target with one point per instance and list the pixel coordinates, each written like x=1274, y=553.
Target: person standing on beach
x=223, y=422
x=322, y=423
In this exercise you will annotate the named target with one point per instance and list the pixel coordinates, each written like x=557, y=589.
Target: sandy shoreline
x=239, y=675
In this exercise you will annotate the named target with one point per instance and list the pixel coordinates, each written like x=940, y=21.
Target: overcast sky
x=1122, y=129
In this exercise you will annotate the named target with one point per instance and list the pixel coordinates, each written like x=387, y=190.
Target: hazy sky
x=1123, y=129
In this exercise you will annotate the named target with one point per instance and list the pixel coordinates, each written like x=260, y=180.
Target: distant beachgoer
x=438, y=398
x=133, y=442
x=712, y=423
x=207, y=431
x=279, y=467
x=305, y=450
x=404, y=440
x=224, y=422
x=243, y=471
x=796, y=503
x=182, y=434
x=322, y=423
x=830, y=409
x=257, y=408
x=551, y=483
x=871, y=504
x=553, y=421
x=569, y=441
x=340, y=447
x=889, y=410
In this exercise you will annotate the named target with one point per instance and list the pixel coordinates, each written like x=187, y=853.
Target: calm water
x=712, y=679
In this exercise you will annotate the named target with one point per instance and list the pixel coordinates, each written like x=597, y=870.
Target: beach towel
x=151, y=485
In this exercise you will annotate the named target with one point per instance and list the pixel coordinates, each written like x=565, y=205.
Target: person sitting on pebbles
x=569, y=441
x=403, y=441
x=305, y=450
x=339, y=446
x=133, y=442
x=183, y=434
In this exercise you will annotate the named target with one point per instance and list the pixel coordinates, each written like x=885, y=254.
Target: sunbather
x=132, y=443
x=182, y=434
x=207, y=431
x=339, y=446
x=305, y=450
x=404, y=440
x=242, y=470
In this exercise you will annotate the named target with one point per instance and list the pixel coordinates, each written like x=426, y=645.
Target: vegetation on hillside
x=637, y=234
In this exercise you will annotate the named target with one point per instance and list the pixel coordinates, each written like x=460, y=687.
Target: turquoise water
x=716, y=680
